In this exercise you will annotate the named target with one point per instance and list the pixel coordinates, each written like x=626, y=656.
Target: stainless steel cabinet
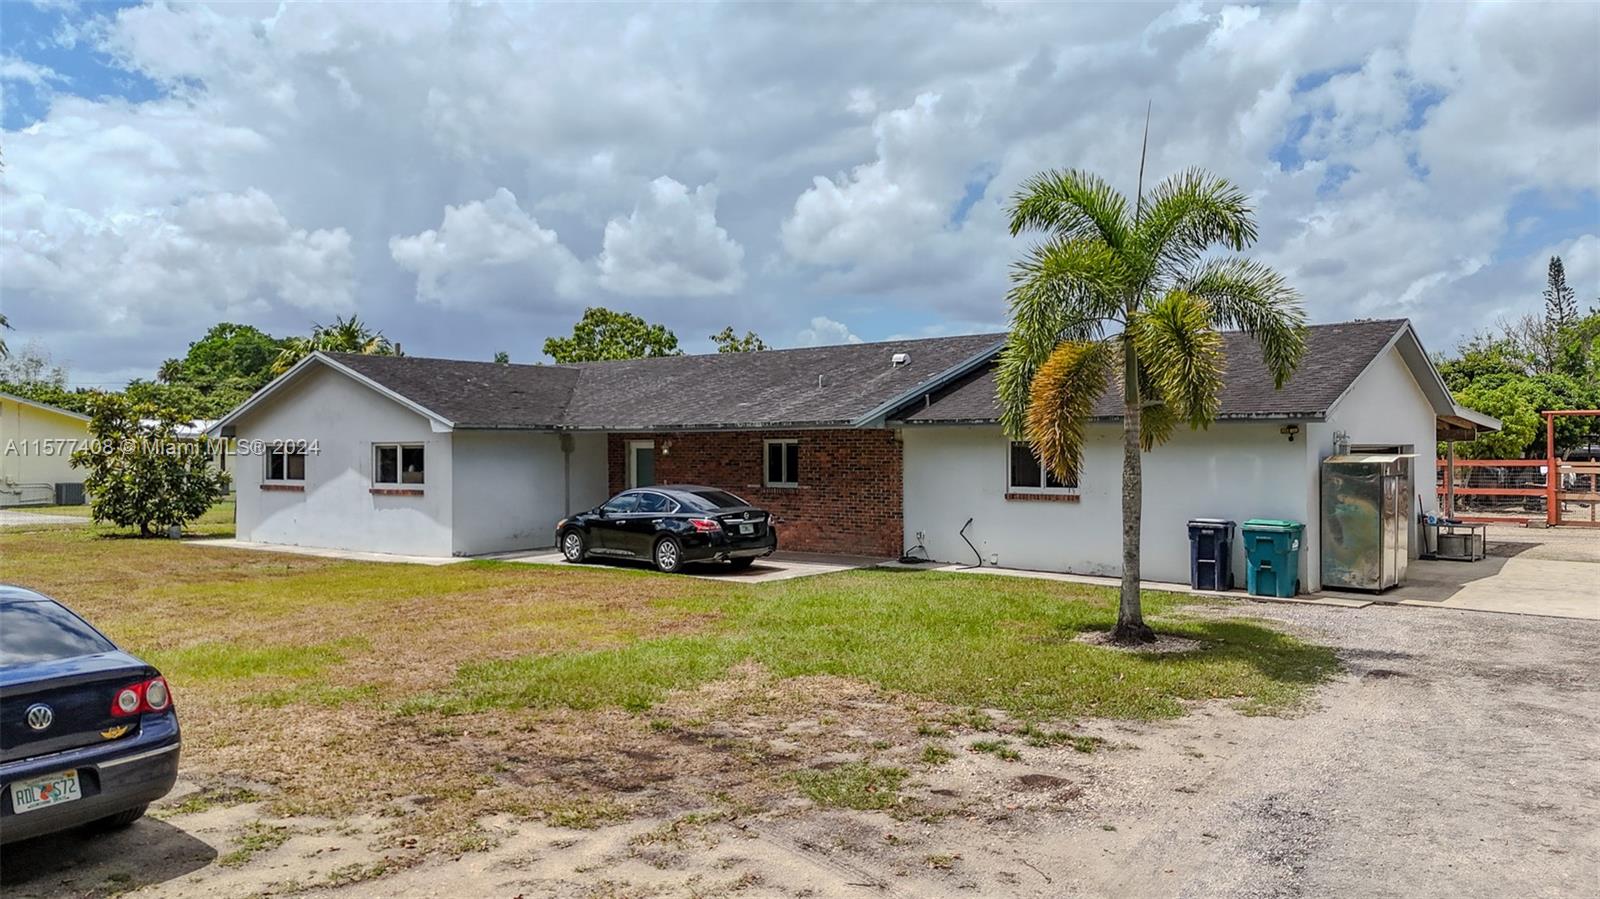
x=1365, y=531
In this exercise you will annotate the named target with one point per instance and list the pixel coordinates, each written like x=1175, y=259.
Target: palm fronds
x=1181, y=353
x=1071, y=205
x=1062, y=400
x=1184, y=216
x=1253, y=298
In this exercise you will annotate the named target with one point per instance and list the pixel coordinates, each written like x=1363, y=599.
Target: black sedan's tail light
x=706, y=525
x=145, y=696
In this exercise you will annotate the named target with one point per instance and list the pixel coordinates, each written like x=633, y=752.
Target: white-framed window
x=285, y=462
x=398, y=463
x=1024, y=474
x=783, y=463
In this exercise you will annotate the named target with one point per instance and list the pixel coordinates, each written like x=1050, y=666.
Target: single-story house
x=864, y=448
x=36, y=445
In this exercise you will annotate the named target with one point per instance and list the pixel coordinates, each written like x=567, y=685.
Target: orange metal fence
x=1523, y=490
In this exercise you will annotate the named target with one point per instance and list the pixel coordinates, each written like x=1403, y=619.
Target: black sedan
x=88, y=734
x=670, y=526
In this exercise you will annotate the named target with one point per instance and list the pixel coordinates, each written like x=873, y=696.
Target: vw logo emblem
x=40, y=716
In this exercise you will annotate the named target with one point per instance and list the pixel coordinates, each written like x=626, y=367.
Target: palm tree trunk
x=1130, y=617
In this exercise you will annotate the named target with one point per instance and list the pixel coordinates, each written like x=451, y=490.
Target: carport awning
x=1465, y=424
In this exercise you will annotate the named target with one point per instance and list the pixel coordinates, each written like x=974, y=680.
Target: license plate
x=747, y=529
x=45, y=792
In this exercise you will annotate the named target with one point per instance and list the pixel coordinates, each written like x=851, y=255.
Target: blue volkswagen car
x=88, y=734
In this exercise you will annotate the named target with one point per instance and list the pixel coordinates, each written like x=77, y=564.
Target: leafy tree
x=502, y=358
x=345, y=335
x=140, y=473
x=230, y=351
x=728, y=342
x=1131, y=297
x=602, y=334
x=1500, y=376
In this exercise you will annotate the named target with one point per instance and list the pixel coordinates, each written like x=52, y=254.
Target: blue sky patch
x=34, y=35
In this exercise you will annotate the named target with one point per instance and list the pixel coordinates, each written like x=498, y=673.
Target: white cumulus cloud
x=825, y=331
x=671, y=245
x=488, y=252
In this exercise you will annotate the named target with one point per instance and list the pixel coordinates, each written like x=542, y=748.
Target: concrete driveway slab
x=780, y=566
x=1528, y=572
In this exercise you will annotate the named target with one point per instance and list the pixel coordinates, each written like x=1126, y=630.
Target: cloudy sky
x=469, y=177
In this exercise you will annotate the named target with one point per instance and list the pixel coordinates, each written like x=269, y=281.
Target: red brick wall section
x=848, y=501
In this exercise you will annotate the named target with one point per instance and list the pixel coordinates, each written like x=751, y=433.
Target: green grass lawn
x=1006, y=643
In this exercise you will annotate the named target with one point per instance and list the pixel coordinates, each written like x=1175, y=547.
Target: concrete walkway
x=347, y=554
x=1346, y=602
x=1528, y=572
x=14, y=518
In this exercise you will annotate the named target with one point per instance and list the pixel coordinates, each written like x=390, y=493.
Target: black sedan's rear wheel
x=573, y=547
x=668, y=555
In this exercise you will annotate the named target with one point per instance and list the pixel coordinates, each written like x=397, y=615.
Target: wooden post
x=1449, y=479
x=1552, y=511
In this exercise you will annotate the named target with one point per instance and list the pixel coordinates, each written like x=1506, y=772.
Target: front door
x=641, y=463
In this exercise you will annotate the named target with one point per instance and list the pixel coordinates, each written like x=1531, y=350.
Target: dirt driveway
x=1456, y=757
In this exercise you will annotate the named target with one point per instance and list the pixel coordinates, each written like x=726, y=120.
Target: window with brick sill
x=783, y=463
x=1026, y=479
x=285, y=465
x=398, y=468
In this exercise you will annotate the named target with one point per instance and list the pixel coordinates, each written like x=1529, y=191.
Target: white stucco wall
x=1385, y=406
x=35, y=446
x=591, y=478
x=337, y=509
x=509, y=487
x=1236, y=471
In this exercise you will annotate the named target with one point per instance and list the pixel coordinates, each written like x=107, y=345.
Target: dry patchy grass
x=435, y=696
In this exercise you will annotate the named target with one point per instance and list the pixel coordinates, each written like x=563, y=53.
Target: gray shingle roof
x=473, y=394
x=813, y=386
x=1335, y=356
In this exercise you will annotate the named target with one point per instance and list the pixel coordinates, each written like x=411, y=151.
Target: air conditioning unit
x=69, y=494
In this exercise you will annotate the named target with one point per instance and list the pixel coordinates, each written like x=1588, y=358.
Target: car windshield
x=719, y=499
x=33, y=631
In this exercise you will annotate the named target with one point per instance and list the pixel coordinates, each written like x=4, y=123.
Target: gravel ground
x=1460, y=757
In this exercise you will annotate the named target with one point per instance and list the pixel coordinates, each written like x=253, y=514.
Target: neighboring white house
x=36, y=445
x=876, y=447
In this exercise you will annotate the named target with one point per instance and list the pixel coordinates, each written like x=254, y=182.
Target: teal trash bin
x=1272, y=556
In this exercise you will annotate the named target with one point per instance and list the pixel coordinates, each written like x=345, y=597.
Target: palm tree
x=345, y=335
x=1134, y=298
x=5, y=325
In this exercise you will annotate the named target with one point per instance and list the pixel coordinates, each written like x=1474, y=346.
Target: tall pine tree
x=1560, y=310
x=1560, y=301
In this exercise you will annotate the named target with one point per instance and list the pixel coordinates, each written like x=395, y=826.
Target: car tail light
x=146, y=696
x=706, y=525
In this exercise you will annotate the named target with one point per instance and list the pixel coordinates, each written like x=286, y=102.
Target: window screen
x=284, y=464
x=1028, y=474
x=783, y=463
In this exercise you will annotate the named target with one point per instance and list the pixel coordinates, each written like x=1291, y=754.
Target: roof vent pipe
x=899, y=359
